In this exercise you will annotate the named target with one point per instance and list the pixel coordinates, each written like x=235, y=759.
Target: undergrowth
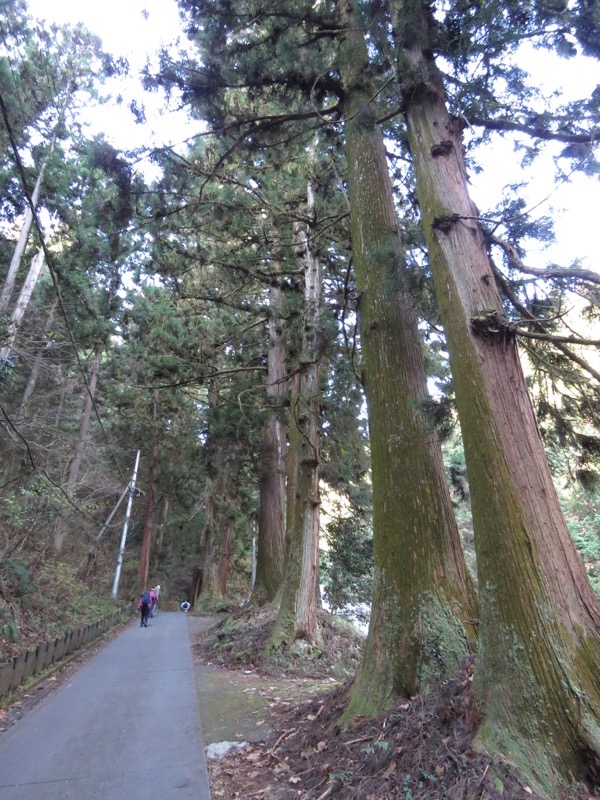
x=240, y=641
x=42, y=603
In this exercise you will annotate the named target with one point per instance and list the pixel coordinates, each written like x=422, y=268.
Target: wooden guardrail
x=14, y=673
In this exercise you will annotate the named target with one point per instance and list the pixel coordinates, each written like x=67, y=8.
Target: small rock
x=219, y=750
x=299, y=647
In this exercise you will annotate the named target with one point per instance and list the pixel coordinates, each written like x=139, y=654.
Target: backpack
x=146, y=599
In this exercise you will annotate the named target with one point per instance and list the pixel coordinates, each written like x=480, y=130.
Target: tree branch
x=566, y=351
x=533, y=130
x=554, y=272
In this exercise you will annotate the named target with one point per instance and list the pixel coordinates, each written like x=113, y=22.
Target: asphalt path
x=125, y=727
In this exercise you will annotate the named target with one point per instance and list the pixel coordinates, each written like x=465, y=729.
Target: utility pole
x=253, y=579
x=115, y=587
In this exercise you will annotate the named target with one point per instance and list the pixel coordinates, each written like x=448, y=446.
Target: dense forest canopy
x=325, y=352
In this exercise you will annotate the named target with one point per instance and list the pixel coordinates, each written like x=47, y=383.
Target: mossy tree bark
x=423, y=608
x=271, y=513
x=537, y=673
x=297, y=614
x=227, y=522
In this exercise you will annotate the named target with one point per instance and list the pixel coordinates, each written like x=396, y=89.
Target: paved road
x=126, y=727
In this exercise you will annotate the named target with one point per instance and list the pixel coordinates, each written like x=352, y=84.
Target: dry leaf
x=294, y=779
x=528, y=790
x=390, y=770
x=321, y=746
x=439, y=771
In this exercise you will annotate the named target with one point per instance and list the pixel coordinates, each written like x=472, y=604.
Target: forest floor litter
x=289, y=744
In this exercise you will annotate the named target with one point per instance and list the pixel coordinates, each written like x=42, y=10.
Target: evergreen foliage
x=347, y=567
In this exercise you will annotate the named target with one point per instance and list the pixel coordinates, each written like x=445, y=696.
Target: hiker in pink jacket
x=153, y=602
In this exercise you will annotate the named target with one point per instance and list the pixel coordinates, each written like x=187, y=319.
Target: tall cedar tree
x=537, y=672
x=297, y=614
x=423, y=603
x=270, y=559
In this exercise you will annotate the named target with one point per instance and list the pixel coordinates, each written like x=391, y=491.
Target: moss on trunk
x=297, y=617
x=271, y=513
x=423, y=602
x=537, y=671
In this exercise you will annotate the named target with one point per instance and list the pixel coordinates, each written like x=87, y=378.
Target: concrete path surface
x=125, y=727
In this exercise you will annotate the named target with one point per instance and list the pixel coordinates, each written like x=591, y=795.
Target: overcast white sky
x=119, y=23
x=133, y=29
x=124, y=30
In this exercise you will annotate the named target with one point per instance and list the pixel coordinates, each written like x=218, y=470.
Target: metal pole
x=100, y=533
x=253, y=559
x=115, y=587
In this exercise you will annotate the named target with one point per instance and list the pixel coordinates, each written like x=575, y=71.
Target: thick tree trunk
x=292, y=466
x=210, y=549
x=271, y=514
x=423, y=602
x=221, y=500
x=297, y=615
x=210, y=588
x=537, y=672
